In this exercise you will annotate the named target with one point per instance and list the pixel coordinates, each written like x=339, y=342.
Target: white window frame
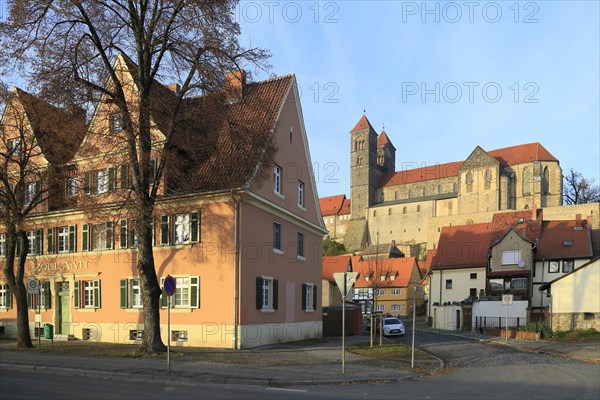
x=277, y=180
x=267, y=293
x=32, y=191
x=396, y=291
x=182, y=232
x=510, y=257
x=72, y=186
x=62, y=239
x=380, y=292
x=396, y=307
x=31, y=241
x=4, y=295
x=300, y=194
x=135, y=293
x=102, y=236
x=380, y=307
x=309, y=306
x=2, y=245
x=101, y=181
x=522, y=283
x=14, y=146
x=88, y=288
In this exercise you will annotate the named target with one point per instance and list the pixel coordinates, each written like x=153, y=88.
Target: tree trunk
x=16, y=285
x=151, y=341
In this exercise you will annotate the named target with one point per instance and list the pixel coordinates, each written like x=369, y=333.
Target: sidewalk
x=281, y=365
x=587, y=351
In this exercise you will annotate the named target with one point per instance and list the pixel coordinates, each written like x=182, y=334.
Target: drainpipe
x=236, y=277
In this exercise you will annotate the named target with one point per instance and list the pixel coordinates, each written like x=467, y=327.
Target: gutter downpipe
x=236, y=278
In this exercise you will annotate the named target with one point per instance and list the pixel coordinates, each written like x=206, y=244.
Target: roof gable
x=437, y=171
x=479, y=158
x=331, y=205
x=462, y=246
x=403, y=269
x=383, y=139
x=522, y=153
x=362, y=124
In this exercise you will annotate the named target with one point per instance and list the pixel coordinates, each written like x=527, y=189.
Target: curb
x=206, y=379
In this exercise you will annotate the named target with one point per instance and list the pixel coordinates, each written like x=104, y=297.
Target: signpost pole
x=344, y=326
x=506, y=324
x=169, y=334
x=412, y=360
x=39, y=323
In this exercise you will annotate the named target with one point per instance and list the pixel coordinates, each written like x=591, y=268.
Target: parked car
x=392, y=326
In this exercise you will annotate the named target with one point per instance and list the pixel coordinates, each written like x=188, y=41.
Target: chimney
x=393, y=243
x=578, y=220
x=534, y=210
x=235, y=84
x=174, y=87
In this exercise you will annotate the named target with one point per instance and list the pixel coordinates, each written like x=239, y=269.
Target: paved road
x=475, y=370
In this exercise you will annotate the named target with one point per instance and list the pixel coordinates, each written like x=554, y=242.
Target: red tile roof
x=522, y=153
x=401, y=267
x=383, y=139
x=363, y=123
x=437, y=171
x=333, y=264
x=506, y=156
x=521, y=221
x=463, y=246
x=345, y=208
x=556, y=233
x=429, y=260
x=332, y=205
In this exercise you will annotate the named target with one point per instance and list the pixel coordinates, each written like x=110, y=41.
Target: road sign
x=348, y=277
x=507, y=299
x=169, y=285
x=33, y=286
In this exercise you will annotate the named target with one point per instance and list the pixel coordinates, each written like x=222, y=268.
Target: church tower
x=386, y=154
x=364, y=171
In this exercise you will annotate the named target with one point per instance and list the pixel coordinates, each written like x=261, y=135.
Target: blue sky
x=504, y=73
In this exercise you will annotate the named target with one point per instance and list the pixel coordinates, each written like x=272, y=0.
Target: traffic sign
x=348, y=277
x=33, y=286
x=169, y=285
x=507, y=299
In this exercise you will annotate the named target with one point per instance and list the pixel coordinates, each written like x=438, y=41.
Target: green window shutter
x=47, y=297
x=50, y=240
x=76, y=298
x=164, y=230
x=275, y=294
x=97, y=296
x=304, y=296
x=85, y=237
x=87, y=188
x=29, y=300
x=39, y=240
x=124, y=291
x=124, y=176
x=315, y=297
x=112, y=177
x=72, y=238
x=195, y=226
x=195, y=292
x=110, y=238
x=9, y=296
x=163, y=297
x=259, y=293
x=123, y=234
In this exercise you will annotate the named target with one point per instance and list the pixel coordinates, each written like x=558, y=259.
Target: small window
x=473, y=275
x=396, y=291
x=102, y=236
x=136, y=334
x=266, y=293
x=309, y=297
x=396, y=307
x=300, y=244
x=568, y=265
x=419, y=209
x=469, y=181
x=553, y=267
x=448, y=283
x=14, y=146
x=116, y=123
x=300, y=194
x=510, y=257
x=276, y=236
x=473, y=292
x=404, y=210
x=5, y=296
x=380, y=292
x=518, y=283
x=101, y=181
x=179, y=336
x=587, y=316
x=380, y=307
x=382, y=277
x=374, y=213
x=72, y=186
x=2, y=245
x=277, y=179
x=33, y=192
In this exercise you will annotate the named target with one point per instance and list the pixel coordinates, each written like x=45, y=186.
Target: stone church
x=411, y=205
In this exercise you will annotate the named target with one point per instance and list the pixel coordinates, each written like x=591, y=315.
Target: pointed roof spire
x=362, y=124
x=383, y=139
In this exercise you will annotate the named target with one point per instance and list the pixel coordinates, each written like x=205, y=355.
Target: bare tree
x=31, y=153
x=69, y=47
x=580, y=190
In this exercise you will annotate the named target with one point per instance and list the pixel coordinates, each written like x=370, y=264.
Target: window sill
x=300, y=258
x=179, y=310
x=134, y=310
x=86, y=309
x=301, y=208
x=278, y=252
x=267, y=310
x=277, y=194
x=309, y=311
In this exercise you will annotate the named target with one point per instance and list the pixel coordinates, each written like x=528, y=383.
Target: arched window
x=488, y=179
x=359, y=160
x=526, y=206
x=396, y=195
x=425, y=192
x=526, y=181
x=380, y=159
x=410, y=194
x=469, y=181
x=404, y=210
x=374, y=213
x=546, y=181
x=359, y=144
x=455, y=187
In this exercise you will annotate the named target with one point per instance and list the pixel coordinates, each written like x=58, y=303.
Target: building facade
x=245, y=254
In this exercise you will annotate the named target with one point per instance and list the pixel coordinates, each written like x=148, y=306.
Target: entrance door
x=467, y=318
x=457, y=320
x=64, y=306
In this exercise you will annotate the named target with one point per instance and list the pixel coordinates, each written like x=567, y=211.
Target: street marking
x=287, y=390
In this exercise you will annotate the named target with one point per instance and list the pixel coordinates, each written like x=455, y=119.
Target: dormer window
x=382, y=277
x=116, y=123
x=367, y=278
x=14, y=146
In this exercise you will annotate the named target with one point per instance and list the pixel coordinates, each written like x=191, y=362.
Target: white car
x=392, y=327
